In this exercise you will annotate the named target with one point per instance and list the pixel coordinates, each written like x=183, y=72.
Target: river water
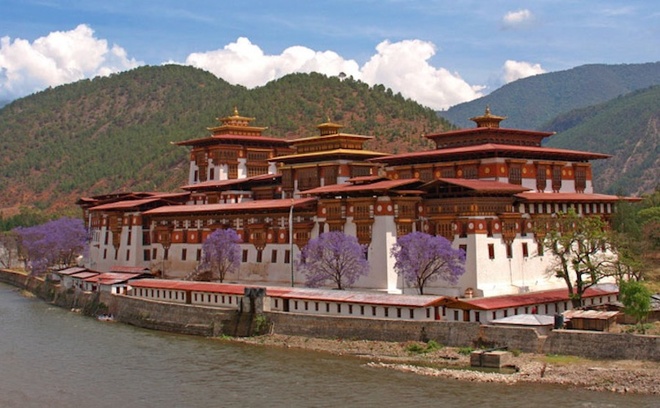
x=51, y=357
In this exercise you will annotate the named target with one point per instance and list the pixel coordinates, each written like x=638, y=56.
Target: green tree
x=636, y=299
x=583, y=252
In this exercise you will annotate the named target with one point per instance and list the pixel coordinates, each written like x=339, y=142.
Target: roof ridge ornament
x=488, y=120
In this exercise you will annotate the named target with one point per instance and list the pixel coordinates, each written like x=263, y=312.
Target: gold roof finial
x=488, y=119
x=235, y=111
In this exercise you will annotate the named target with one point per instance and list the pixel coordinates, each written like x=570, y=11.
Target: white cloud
x=58, y=58
x=514, y=19
x=67, y=56
x=513, y=70
x=401, y=66
x=244, y=63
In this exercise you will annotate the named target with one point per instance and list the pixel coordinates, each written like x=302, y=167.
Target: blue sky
x=439, y=53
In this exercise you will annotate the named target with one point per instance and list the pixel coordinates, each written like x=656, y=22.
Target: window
x=387, y=311
x=259, y=255
x=184, y=254
x=580, y=179
x=556, y=178
x=199, y=255
x=350, y=309
x=477, y=316
x=245, y=256
x=539, y=248
x=541, y=178
x=273, y=256
x=128, y=254
x=412, y=313
x=470, y=172
x=105, y=254
x=525, y=251
x=287, y=256
x=515, y=174
x=463, y=248
x=147, y=255
x=166, y=254
x=491, y=251
x=338, y=307
x=398, y=312
x=509, y=251
x=154, y=254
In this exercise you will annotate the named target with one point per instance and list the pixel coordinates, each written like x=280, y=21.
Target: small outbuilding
x=590, y=319
x=542, y=323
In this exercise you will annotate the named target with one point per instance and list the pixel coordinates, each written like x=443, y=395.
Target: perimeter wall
x=209, y=321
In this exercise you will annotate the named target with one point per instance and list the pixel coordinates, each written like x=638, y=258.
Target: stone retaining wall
x=179, y=318
x=210, y=321
x=591, y=344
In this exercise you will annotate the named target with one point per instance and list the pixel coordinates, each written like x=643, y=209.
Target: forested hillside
x=111, y=134
x=530, y=102
x=628, y=128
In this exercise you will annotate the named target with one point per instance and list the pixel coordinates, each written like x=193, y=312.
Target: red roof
x=135, y=203
x=351, y=188
x=235, y=138
x=492, y=130
x=111, y=278
x=525, y=299
x=70, y=271
x=339, y=296
x=124, y=205
x=490, y=149
x=567, y=197
x=480, y=185
x=84, y=275
x=349, y=296
x=230, y=182
x=129, y=269
x=213, y=287
x=245, y=206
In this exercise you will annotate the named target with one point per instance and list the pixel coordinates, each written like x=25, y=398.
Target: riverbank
x=620, y=376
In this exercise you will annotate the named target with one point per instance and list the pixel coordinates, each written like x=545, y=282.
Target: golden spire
x=488, y=119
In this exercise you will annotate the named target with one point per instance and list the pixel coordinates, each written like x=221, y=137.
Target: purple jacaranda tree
x=422, y=258
x=333, y=258
x=55, y=243
x=221, y=255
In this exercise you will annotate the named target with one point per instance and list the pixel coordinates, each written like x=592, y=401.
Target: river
x=51, y=357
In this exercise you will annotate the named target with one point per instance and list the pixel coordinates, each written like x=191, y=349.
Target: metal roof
x=479, y=185
x=129, y=269
x=559, y=197
x=304, y=294
x=245, y=206
x=70, y=271
x=525, y=299
x=112, y=278
x=489, y=149
x=590, y=314
x=353, y=188
x=526, y=320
